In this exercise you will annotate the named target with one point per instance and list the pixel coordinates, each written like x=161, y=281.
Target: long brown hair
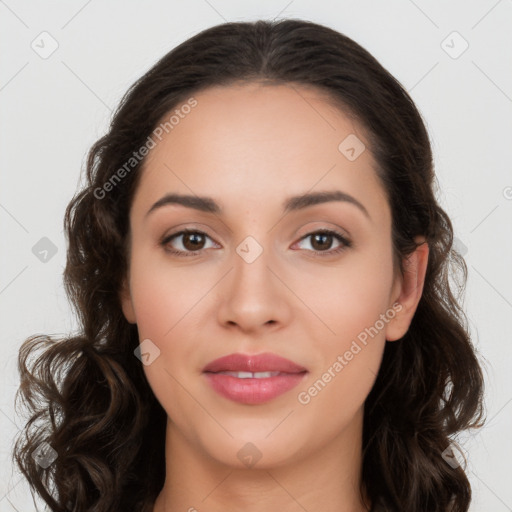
x=87, y=395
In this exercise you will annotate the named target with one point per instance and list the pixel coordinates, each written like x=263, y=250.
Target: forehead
x=257, y=140
x=256, y=114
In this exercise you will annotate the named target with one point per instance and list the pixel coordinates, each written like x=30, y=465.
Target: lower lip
x=253, y=391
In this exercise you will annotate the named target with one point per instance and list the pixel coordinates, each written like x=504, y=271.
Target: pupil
x=194, y=244
x=321, y=236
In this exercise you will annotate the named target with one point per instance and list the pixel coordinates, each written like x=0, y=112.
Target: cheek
x=164, y=295
x=167, y=300
x=355, y=307
x=350, y=297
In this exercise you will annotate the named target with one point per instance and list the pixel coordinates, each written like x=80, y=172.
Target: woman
x=262, y=276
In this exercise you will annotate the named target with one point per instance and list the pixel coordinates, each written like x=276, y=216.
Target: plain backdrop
x=454, y=58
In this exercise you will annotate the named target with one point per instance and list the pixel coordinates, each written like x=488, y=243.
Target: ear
x=125, y=298
x=409, y=290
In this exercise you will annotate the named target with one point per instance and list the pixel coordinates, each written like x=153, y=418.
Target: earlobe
x=126, y=303
x=410, y=291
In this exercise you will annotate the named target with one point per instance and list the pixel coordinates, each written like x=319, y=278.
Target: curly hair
x=87, y=395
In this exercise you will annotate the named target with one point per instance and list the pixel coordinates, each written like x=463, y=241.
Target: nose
x=253, y=297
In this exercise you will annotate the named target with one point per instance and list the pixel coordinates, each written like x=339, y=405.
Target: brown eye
x=193, y=241
x=321, y=242
x=188, y=242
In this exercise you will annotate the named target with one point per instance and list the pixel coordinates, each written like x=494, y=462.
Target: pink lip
x=266, y=362
x=253, y=390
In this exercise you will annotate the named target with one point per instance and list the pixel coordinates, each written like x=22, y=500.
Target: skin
x=250, y=147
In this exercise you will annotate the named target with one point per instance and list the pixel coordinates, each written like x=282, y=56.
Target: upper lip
x=266, y=362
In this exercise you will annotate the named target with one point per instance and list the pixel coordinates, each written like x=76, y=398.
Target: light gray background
x=53, y=109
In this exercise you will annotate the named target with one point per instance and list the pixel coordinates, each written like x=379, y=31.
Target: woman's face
x=257, y=277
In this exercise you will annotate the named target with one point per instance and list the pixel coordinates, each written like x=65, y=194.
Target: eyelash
x=345, y=243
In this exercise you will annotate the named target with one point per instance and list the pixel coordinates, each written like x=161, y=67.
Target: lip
x=253, y=390
x=266, y=362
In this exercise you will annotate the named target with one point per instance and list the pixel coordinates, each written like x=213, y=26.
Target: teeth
x=251, y=375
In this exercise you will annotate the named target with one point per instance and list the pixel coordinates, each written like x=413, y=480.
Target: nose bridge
x=251, y=262
x=252, y=296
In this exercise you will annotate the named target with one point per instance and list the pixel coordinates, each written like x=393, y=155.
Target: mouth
x=251, y=375
x=253, y=379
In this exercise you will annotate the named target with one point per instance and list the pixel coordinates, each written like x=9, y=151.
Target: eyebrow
x=207, y=204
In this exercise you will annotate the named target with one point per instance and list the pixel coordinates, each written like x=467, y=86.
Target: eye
x=322, y=240
x=192, y=242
